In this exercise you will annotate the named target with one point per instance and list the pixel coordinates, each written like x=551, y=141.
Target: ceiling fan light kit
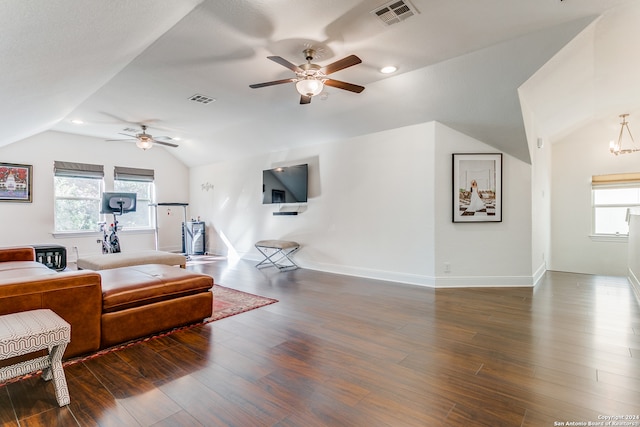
x=311, y=78
x=145, y=144
x=309, y=86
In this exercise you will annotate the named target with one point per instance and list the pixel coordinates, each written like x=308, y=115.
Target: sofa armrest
x=18, y=253
x=76, y=296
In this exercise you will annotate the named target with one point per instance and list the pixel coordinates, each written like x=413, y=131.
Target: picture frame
x=16, y=183
x=477, y=187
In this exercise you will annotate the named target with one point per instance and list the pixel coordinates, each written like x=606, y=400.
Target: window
x=139, y=181
x=77, y=192
x=612, y=196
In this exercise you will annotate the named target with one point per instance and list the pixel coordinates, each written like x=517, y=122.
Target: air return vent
x=202, y=99
x=394, y=12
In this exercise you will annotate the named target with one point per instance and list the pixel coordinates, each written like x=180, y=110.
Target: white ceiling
x=122, y=63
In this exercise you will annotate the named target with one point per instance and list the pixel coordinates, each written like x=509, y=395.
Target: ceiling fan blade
x=285, y=63
x=127, y=140
x=168, y=144
x=344, y=85
x=304, y=99
x=275, y=82
x=349, y=61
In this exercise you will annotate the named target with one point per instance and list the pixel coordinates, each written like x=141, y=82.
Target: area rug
x=226, y=302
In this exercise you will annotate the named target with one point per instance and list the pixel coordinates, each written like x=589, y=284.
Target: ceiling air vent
x=202, y=99
x=395, y=11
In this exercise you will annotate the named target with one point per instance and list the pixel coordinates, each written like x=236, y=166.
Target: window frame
x=612, y=182
x=127, y=174
x=71, y=170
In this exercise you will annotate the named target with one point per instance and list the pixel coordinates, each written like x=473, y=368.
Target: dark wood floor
x=344, y=351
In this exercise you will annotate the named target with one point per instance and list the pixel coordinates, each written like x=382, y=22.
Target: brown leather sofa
x=107, y=307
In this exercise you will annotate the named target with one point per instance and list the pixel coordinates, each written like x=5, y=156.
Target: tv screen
x=286, y=184
x=118, y=203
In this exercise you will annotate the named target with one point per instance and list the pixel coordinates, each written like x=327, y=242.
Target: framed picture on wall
x=15, y=182
x=477, y=187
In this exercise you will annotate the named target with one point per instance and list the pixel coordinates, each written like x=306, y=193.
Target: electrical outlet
x=98, y=241
x=447, y=267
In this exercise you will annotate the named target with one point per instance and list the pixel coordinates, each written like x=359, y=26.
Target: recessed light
x=388, y=69
x=77, y=122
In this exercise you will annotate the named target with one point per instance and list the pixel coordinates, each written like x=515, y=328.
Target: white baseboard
x=422, y=280
x=539, y=273
x=484, y=282
x=389, y=276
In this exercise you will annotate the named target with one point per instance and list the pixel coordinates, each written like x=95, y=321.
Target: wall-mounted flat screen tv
x=287, y=184
x=118, y=203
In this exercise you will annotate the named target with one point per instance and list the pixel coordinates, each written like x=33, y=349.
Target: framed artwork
x=477, y=187
x=15, y=182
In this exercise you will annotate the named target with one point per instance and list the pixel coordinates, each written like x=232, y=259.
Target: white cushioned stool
x=281, y=249
x=30, y=331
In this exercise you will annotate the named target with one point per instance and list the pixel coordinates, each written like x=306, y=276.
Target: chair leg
x=281, y=254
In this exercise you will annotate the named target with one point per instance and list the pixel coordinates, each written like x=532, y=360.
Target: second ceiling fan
x=144, y=140
x=311, y=78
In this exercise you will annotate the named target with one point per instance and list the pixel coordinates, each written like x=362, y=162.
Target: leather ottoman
x=141, y=300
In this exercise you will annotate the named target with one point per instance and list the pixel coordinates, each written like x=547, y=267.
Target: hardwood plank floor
x=346, y=351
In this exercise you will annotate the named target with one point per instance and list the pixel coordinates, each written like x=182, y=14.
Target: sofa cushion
x=17, y=253
x=134, y=286
x=13, y=269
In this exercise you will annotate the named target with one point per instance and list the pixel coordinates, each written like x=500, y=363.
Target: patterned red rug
x=226, y=302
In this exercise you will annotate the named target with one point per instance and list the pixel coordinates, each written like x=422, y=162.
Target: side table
x=53, y=256
x=30, y=331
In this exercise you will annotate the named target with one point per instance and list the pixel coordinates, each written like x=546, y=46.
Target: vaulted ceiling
x=119, y=64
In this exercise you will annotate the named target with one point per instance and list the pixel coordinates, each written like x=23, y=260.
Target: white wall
x=380, y=206
x=482, y=254
x=633, y=256
x=32, y=223
x=575, y=159
x=370, y=209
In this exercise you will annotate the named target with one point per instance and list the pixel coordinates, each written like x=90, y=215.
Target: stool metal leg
x=282, y=253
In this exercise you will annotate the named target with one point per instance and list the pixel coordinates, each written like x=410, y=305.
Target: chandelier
x=617, y=147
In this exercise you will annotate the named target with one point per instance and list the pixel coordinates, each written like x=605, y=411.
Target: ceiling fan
x=144, y=140
x=310, y=78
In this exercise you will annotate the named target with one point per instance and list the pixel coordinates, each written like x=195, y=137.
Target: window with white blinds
x=141, y=182
x=77, y=193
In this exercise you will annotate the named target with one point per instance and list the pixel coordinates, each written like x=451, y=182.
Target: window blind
x=133, y=174
x=78, y=170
